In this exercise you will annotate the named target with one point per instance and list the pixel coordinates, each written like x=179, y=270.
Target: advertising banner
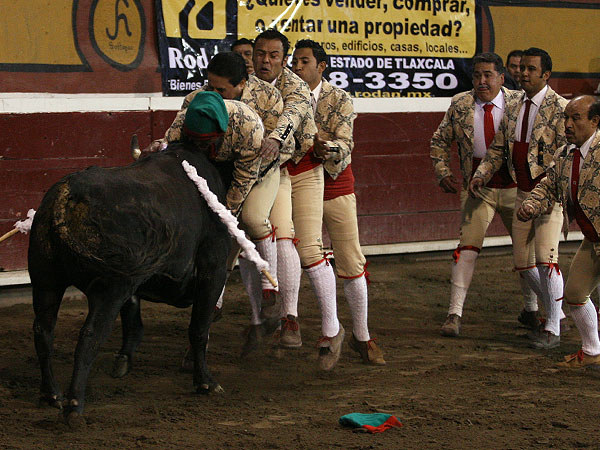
x=377, y=48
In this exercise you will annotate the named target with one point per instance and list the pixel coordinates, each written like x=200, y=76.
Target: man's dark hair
x=544, y=57
x=272, y=34
x=489, y=57
x=317, y=49
x=594, y=110
x=517, y=53
x=228, y=65
x=242, y=41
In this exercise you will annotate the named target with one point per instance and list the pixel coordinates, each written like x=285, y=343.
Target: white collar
x=538, y=98
x=497, y=101
x=585, y=147
x=277, y=77
x=316, y=92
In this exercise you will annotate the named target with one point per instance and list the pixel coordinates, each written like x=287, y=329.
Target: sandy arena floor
x=483, y=390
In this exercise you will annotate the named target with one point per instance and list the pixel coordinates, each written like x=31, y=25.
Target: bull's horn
x=135, y=147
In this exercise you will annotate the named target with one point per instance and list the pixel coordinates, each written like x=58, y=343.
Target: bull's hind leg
x=46, y=302
x=133, y=332
x=105, y=302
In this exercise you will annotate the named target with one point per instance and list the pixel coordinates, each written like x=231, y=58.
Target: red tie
x=525, y=122
x=575, y=174
x=488, y=124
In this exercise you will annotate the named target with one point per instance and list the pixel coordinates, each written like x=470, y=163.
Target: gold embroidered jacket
x=547, y=135
x=241, y=144
x=262, y=97
x=554, y=187
x=458, y=126
x=335, y=121
x=296, y=126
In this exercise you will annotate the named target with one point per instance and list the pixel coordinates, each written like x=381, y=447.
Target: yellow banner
x=37, y=32
x=215, y=9
x=569, y=35
x=439, y=28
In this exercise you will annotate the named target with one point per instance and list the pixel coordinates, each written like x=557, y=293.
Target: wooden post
x=9, y=234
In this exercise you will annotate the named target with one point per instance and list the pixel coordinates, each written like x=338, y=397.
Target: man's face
x=304, y=64
x=245, y=51
x=578, y=128
x=223, y=87
x=513, y=67
x=533, y=80
x=268, y=59
x=487, y=81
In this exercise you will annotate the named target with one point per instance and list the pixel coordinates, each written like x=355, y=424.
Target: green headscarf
x=206, y=114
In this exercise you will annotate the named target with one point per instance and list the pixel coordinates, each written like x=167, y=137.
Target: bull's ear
x=135, y=147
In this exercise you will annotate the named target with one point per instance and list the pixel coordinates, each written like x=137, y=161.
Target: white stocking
x=288, y=274
x=267, y=249
x=220, y=300
x=322, y=280
x=251, y=280
x=355, y=290
x=586, y=319
x=462, y=274
x=532, y=278
x=552, y=290
x=529, y=295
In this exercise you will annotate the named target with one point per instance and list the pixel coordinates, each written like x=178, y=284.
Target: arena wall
x=398, y=198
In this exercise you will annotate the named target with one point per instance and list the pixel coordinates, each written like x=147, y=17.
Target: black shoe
x=529, y=319
x=254, y=335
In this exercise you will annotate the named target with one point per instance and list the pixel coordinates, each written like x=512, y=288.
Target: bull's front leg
x=211, y=272
x=103, y=311
x=202, y=311
x=198, y=334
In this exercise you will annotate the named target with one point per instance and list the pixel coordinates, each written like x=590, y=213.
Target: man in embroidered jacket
x=227, y=76
x=532, y=133
x=298, y=210
x=241, y=145
x=573, y=180
x=243, y=47
x=334, y=117
x=471, y=122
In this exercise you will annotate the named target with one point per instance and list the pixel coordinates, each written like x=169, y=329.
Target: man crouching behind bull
x=207, y=117
x=228, y=132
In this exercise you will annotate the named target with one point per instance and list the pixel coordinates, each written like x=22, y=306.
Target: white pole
x=248, y=248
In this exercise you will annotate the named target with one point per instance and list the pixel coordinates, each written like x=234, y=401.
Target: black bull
x=141, y=230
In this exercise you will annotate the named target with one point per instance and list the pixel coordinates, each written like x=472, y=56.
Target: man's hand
x=550, y=208
x=153, y=147
x=320, y=149
x=269, y=149
x=475, y=187
x=449, y=184
x=525, y=213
